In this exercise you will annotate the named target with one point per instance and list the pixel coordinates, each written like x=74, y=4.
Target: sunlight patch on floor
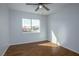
x=49, y=44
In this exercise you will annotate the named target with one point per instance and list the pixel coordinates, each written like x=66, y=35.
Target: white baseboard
x=26, y=42
x=5, y=50
x=71, y=49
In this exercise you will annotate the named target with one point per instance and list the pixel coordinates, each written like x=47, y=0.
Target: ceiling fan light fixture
x=40, y=6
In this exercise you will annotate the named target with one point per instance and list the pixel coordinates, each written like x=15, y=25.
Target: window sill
x=31, y=32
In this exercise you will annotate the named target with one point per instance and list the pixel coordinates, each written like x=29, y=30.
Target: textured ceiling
x=31, y=8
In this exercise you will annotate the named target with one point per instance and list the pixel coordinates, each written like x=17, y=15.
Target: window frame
x=31, y=26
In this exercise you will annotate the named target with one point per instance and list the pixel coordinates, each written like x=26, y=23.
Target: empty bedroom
x=39, y=29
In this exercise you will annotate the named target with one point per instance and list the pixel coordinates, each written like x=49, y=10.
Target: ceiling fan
x=39, y=5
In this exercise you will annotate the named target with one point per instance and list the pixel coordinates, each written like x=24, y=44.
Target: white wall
x=65, y=25
x=16, y=34
x=4, y=28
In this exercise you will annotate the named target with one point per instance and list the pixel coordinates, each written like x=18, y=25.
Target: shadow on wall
x=63, y=34
x=54, y=38
x=60, y=36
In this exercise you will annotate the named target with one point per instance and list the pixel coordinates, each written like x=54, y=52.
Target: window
x=31, y=25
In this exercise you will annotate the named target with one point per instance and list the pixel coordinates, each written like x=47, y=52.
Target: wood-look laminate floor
x=44, y=48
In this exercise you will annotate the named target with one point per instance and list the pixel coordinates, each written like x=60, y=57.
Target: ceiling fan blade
x=31, y=3
x=37, y=8
x=45, y=7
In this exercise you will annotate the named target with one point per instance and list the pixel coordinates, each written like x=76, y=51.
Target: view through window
x=31, y=25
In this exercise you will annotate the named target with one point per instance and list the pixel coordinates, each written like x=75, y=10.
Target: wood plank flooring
x=44, y=48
